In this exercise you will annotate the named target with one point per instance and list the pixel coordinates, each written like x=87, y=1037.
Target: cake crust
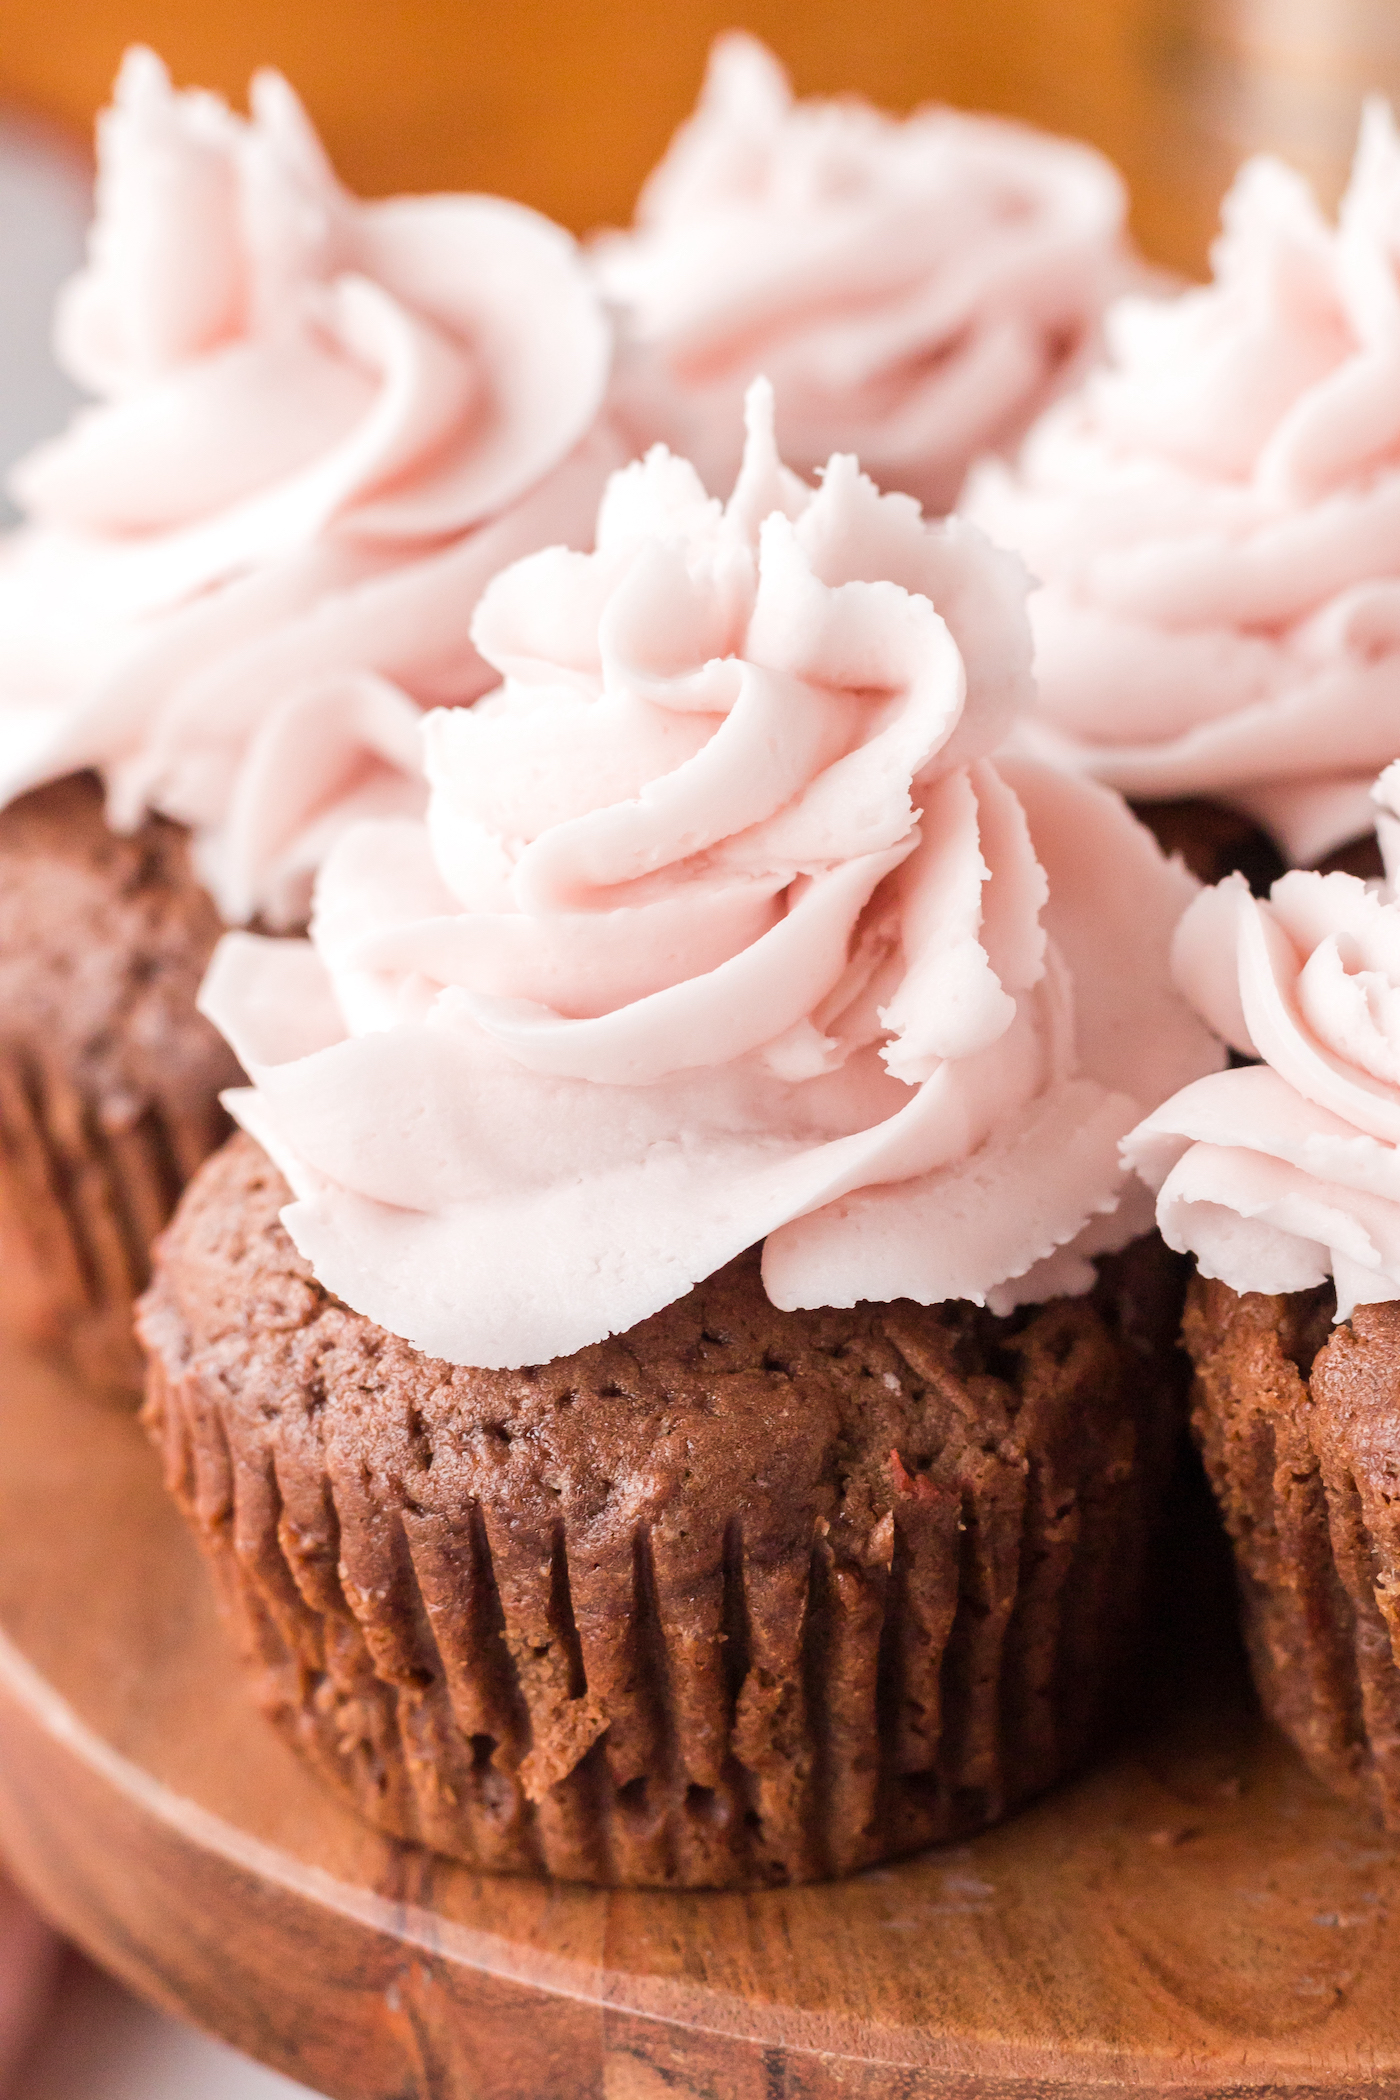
x=1212, y=840
x=740, y=1596
x=1215, y=841
x=109, y=1079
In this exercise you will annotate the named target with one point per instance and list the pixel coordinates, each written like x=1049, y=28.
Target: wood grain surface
x=1193, y=1917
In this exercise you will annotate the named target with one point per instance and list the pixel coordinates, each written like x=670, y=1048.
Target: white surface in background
x=45, y=203
x=102, y=2044
x=98, y=2043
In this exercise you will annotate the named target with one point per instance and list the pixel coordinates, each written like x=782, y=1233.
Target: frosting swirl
x=1216, y=519
x=1282, y=1173
x=916, y=291
x=721, y=927
x=323, y=426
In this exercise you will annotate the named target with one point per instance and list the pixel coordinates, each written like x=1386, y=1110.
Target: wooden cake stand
x=1193, y=1917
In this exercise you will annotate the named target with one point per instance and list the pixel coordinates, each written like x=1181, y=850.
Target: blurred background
x=567, y=106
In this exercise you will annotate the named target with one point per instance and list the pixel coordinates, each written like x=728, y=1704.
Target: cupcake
x=321, y=427
x=1215, y=518
x=1282, y=1178
x=916, y=290
x=673, y=1381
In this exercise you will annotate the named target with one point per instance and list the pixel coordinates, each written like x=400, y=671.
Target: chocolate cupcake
x=1282, y=1177
x=1299, y=1423
x=742, y=1595
x=675, y=1418
x=1215, y=517
x=109, y=1078
x=321, y=427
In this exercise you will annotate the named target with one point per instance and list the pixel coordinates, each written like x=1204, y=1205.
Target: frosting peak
x=722, y=926
x=917, y=290
x=1283, y=1173
x=205, y=226
x=399, y=370
x=323, y=425
x=1216, y=518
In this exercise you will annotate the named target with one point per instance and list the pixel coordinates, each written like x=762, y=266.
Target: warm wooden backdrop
x=566, y=103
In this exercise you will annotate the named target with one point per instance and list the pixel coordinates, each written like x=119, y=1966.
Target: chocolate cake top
x=103, y=940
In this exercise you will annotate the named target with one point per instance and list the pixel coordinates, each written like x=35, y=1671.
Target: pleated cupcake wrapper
x=1317, y=1554
x=81, y=1200
x=783, y=1715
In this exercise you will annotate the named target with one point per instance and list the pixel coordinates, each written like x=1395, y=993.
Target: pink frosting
x=323, y=426
x=1216, y=518
x=1280, y=1174
x=28, y=1957
x=916, y=291
x=722, y=927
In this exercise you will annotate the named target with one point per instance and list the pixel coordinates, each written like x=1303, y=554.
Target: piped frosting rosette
x=722, y=927
x=322, y=427
x=1282, y=1173
x=1216, y=521
x=917, y=291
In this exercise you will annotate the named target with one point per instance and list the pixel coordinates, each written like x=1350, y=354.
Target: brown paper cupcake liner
x=664, y=1612
x=80, y=1204
x=1299, y=1425
x=109, y=1079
